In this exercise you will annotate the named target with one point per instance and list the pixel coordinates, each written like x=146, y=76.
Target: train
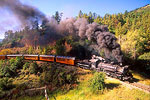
x=95, y=63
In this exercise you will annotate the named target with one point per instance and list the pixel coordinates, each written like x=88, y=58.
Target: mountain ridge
x=146, y=7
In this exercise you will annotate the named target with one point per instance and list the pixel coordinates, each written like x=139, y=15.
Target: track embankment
x=135, y=85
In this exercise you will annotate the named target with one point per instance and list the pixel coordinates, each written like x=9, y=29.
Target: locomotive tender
x=96, y=63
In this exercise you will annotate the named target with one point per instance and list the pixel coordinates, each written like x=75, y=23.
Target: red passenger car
x=13, y=56
x=65, y=60
x=31, y=57
x=2, y=57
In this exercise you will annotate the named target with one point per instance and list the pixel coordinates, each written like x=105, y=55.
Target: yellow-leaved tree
x=5, y=52
x=135, y=43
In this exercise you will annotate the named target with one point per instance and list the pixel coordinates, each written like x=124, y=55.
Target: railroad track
x=136, y=85
x=140, y=86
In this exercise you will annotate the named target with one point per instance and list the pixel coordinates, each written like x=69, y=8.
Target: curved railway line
x=139, y=86
x=135, y=85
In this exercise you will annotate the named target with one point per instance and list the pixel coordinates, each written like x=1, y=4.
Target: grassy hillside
x=114, y=91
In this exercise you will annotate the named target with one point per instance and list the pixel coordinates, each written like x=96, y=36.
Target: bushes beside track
x=97, y=82
x=58, y=76
x=9, y=68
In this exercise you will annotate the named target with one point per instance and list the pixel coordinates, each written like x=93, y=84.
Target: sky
x=70, y=8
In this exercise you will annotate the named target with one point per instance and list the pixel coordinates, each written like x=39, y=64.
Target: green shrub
x=44, y=51
x=16, y=63
x=58, y=76
x=97, y=82
x=6, y=84
x=60, y=47
x=69, y=78
x=30, y=50
x=26, y=65
x=19, y=62
x=33, y=68
x=11, y=61
x=102, y=53
x=9, y=68
x=145, y=56
x=5, y=71
x=47, y=50
x=22, y=86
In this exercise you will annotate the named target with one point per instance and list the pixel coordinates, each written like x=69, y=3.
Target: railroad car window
x=61, y=59
x=50, y=58
x=68, y=60
x=47, y=58
x=31, y=57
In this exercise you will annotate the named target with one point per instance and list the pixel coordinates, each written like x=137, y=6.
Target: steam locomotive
x=113, y=70
x=96, y=63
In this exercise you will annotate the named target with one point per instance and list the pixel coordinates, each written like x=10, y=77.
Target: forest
x=126, y=35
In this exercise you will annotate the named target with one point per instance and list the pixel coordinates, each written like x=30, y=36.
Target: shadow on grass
x=84, y=73
x=143, y=74
x=111, y=85
x=134, y=80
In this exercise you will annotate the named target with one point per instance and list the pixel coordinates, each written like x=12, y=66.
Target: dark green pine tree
x=90, y=17
x=80, y=15
x=58, y=16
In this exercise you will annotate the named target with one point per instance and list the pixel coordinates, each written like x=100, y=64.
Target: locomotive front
x=113, y=70
x=126, y=73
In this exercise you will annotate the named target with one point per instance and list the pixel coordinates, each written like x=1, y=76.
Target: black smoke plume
x=25, y=13
x=94, y=32
x=30, y=17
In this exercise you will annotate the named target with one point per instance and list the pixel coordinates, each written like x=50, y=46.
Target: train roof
x=29, y=55
x=67, y=57
x=14, y=55
x=47, y=55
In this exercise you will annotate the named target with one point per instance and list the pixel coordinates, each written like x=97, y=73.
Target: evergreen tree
x=35, y=24
x=58, y=16
x=90, y=17
x=80, y=15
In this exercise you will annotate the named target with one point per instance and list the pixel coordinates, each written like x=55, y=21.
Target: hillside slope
x=146, y=7
x=114, y=90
